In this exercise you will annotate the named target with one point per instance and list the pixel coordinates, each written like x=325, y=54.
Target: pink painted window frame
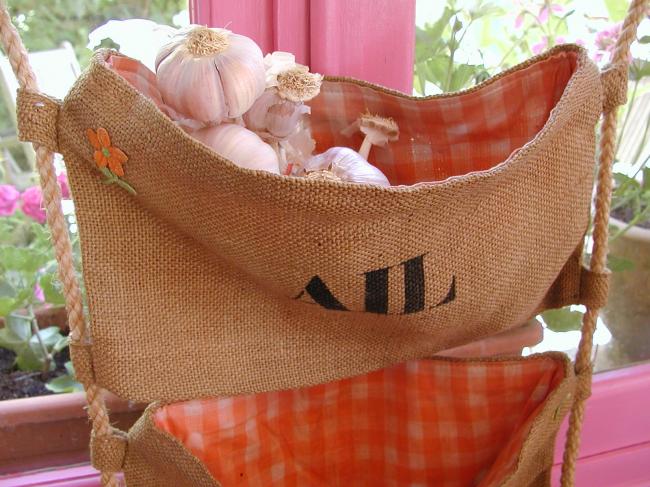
x=368, y=39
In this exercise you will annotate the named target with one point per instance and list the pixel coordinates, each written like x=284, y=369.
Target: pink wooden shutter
x=368, y=39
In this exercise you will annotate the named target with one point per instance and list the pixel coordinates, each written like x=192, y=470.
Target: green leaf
x=64, y=383
x=646, y=179
x=616, y=9
x=29, y=359
x=619, y=264
x=463, y=73
x=563, y=319
x=69, y=368
x=10, y=341
x=21, y=326
x=60, y=345
x=644, y=40
x=639, y=69
x=23, y=259
x=7, y=305
x=49, y=336
x=51, y=289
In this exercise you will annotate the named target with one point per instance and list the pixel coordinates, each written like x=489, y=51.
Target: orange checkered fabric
x=140, y=77
x=447, y=135
x=443, y=137
x=426, y=422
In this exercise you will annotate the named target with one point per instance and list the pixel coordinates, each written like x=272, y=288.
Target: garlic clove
x=300, y=146
x=282, y=118
x=241, y=69
x=240, y=145
x=255, y=117
x=348, y=165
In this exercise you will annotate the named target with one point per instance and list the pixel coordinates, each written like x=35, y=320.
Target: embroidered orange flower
x=105, y=153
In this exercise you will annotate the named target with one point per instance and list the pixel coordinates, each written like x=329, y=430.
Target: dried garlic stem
x=298, y=84
x=203, y=41
x=378, y=131
x=324, y=175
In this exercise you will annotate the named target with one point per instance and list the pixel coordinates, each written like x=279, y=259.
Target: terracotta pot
x=47, y=431
x=627, y=314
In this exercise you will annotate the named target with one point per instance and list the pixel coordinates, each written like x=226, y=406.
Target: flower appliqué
x=109, y=159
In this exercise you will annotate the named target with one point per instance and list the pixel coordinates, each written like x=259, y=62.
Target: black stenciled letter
x=320, y=293
x=414, y=287
x=377, y=291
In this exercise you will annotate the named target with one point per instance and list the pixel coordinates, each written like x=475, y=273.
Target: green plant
x=438, y=44
x=65, y=382
x=34, y=348
x=28, y=282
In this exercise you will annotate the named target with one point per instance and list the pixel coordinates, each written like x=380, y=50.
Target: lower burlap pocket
x=428, y=422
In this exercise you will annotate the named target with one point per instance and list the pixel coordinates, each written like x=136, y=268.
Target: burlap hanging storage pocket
x=448, y=422
x=219, y=280
x=304, y=311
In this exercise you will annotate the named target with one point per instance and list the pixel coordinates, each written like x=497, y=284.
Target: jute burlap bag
x=242, y=282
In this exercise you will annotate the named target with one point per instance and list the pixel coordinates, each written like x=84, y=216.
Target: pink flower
x=32, y=204
x=9, y=197
x=542, y=16
x=540, y=46
x=606, y=39
x=63, y=182
x=544, y=12
x=560, y=40
x=519, y=20
x=39, y=295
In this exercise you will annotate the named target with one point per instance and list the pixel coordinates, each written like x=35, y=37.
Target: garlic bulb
x=377, y=130
x=275, y=63
x=277, y=115
x=273, y=117
x=347, y=165
x=240, y=145
x=210, y=74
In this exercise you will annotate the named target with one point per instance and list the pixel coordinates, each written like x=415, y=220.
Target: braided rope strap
x=598, y=263
x=19, y=60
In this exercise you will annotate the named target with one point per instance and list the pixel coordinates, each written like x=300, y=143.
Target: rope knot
x=37, y=118
x=614, y=80
x=107, y=452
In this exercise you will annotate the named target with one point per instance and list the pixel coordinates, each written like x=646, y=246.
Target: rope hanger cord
x=598, y=262
x=19, y=60
x=79, y=334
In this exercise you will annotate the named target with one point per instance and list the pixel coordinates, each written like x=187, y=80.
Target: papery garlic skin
x=273, y=116
x=347, y=165
x=300, y=146
x=210, y=74
x=240, y=145
x=276, y=63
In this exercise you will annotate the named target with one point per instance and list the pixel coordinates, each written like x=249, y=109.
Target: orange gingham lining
x=140, y=77
x=424, y=422
x=439, y=137
x=450, y=135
